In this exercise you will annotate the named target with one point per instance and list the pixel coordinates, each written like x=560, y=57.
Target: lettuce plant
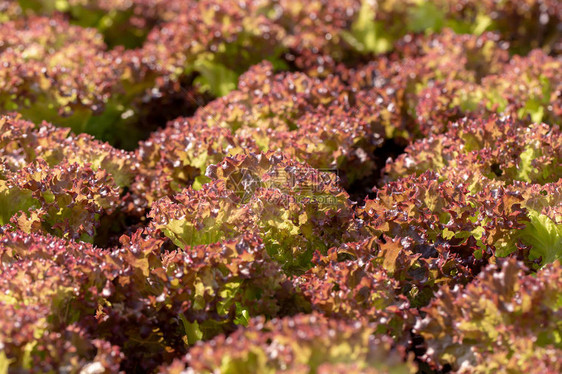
x=505, y=317
x=294, y=208
x=303, y=343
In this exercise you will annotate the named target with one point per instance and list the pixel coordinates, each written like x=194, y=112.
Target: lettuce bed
x=270, y=186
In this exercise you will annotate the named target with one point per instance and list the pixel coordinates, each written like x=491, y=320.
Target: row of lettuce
x=362, y=25
x=57, y=66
